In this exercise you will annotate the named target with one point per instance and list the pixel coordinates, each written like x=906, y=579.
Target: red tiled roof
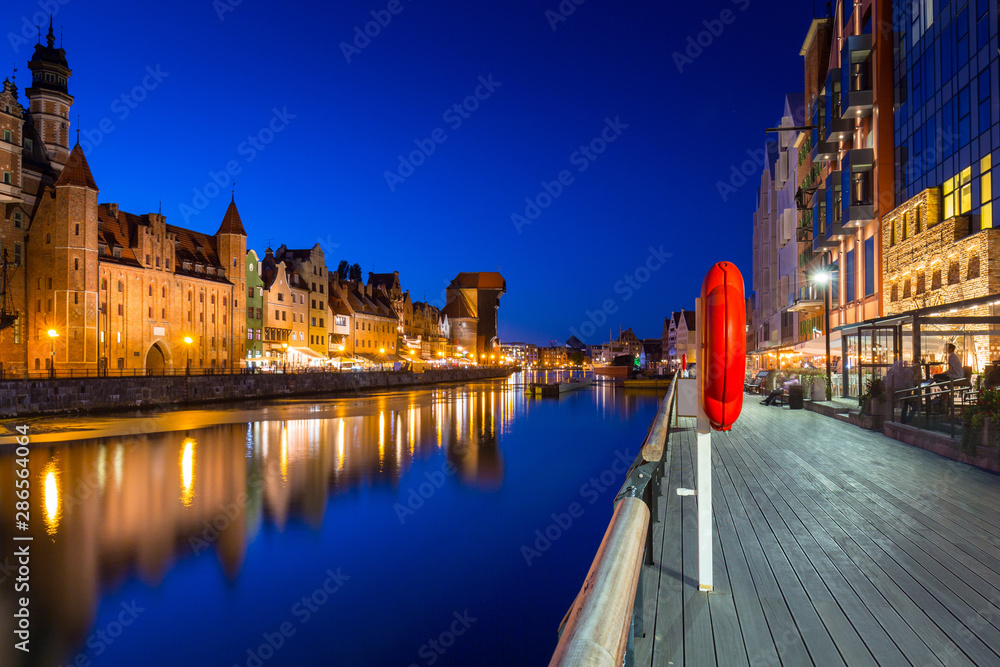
x=77, y=171
x=231, y=223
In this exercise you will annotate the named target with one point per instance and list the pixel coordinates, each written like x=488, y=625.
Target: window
x=157, y=262
x=150, y=290
x=313, y=321
x=17, y=254
x=921, y=283
x=936, y=279
x=120, y=312
x=104, y=283
x=281, y=297
x=894, y=293
x=76, y=263
x=163, y=313
x=48, y=237
x=7, y=178
x=973, y=271
x=250, y=293
x=18, y=220
x=201, y=297
x=906, y=288
x=119, y=286
x=259, y=316
x=150, y=312
x=986, y=193
x=249, y=312
x=957, y=194
x=163, y=292
x=147, y=260
x=321, y=322
x=8, y=136
x=213, y=299
x=282, y=315
x=29, y=145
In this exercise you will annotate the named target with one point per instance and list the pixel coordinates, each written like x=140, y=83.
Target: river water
x=448, y=525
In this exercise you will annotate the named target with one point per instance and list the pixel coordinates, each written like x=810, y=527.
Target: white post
x=704, y=480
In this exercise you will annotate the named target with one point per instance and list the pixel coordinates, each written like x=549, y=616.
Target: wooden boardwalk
x=833, y=546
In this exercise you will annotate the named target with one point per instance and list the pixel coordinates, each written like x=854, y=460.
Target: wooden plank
x=863, y=540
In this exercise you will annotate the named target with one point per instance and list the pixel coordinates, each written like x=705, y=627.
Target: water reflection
x=234, y=479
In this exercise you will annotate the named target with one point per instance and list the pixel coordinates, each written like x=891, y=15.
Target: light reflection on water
x=287, y=464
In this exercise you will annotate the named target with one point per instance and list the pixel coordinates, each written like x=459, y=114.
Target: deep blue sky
x=322, y=178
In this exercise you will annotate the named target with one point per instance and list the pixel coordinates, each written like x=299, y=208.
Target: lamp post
x=187, y=343
x=53, y=334
x=824, y=278
x=284, y=355
x=381, y=352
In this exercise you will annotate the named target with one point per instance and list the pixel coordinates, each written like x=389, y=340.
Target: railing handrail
x=930, y=385
x=597, y=629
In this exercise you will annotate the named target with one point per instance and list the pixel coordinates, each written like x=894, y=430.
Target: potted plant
x=872, y=400
x=981, y=421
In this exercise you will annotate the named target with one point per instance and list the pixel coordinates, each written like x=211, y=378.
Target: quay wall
x=19, y=398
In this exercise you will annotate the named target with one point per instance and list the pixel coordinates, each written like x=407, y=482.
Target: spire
x=77, y=171
x=231, y=223
x=51, y=37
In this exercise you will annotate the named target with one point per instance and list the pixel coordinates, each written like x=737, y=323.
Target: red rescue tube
x=684, y=362
x=724, y=344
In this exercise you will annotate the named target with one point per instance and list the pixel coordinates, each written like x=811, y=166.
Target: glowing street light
x=187, y=341
x=53, y=334
x=825, y=278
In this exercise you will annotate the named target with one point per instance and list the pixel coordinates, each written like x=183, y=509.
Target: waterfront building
x=341, y=317
x=473, y=303
x=554, y=357
x=279, y=315
x=372, y=336
x=117, y=291
x=310, y=264
x=402, y=305
x=940, y=244
x=687, y=341
x=854, y=146
x=255, y=309
x=523, y=354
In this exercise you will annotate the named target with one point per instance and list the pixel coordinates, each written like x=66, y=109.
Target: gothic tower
x=62, y=271
x=11, y=130
x=231, y=242
x=49, y=100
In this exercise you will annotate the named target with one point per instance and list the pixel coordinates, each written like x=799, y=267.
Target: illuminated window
x=986, y=190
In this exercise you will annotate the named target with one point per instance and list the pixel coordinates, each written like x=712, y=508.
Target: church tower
x=231, y=242
x=49, y=100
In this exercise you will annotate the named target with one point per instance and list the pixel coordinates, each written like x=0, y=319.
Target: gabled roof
x=386, y=280
x=231, y=223
x=480, y=280
x=77, y=171
x=689, y=319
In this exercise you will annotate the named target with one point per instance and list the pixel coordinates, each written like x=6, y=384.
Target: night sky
x=313, y=118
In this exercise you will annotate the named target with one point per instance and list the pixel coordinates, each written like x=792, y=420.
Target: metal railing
x=936, y=401
x=601, y=625
x=180, y=372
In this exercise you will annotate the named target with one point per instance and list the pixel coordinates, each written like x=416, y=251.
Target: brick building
x=473, y=302
x=96, y=288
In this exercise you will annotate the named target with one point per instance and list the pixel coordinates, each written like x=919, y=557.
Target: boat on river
x=548, y=389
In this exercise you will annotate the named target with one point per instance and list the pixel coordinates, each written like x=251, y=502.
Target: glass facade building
x=946, y=119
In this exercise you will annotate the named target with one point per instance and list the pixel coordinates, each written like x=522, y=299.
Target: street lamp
x=187, y=341
x=53, y=334
x=825, y=278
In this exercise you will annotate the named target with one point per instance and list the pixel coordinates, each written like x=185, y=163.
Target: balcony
x=859, y=48
x=826, y=152
x=858, y=103
x=840, y=129
x=858, y=159
x=806, y=299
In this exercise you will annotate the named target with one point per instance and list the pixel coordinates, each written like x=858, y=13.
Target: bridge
x=832, y=546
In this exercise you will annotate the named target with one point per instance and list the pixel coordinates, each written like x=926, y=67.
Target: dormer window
x=186, y=265
x=18, y=220
x=29, y=145
x=117, y=252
